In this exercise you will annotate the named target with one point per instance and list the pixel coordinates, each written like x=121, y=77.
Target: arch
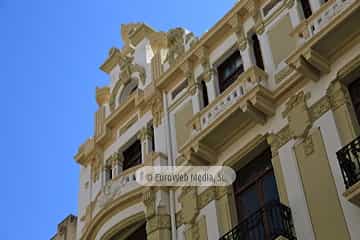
x=111, y=210
x=125, y=227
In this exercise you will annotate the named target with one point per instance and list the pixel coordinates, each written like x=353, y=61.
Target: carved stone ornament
x=149, y=202
x=127, y=68
x=176, y=44
x=189, y=204
x=157, y=109
x=127, y=30
x=158, y=40
x=128, y=71
x=108, y=194
x=298, y=115
x=237, y=26
x=289, y=3
x=338, y=94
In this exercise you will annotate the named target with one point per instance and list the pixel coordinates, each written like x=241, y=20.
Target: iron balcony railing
x=271, y=221
x=349, y=160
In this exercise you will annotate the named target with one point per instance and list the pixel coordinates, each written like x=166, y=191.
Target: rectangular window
x=132, y=155
x=268, y=7
x=255, y=185
x=178, y=89
x=229, y=70
x=108, y=173
x=354, y=90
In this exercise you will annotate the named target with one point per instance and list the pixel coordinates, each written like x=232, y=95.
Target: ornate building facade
x=271, y=90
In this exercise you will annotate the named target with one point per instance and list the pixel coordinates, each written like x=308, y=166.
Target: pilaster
x=158, y=224
x=343, y=110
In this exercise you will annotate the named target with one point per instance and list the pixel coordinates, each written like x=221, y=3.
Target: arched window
x=128, y=90
x=205, y=97
x=257, y=51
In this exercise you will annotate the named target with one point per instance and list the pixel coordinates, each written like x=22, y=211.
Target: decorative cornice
x=113, y=59
x=133, y=33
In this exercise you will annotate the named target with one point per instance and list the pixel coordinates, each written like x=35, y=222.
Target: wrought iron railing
x=349, y=160
x=271, y=221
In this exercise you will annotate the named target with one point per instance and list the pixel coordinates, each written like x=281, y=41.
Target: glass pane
x=270, y=188
x=248, y=202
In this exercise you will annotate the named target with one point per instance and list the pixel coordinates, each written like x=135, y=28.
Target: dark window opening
x=306, y=8
x=255, y=185
x=354, y=90
x=138, y=234
x=257, y=51
x=255, y=189
x=133, y=89
x=108, y=173
x=205, y=97
x=229, y=70
x=178, y=89
x=152, y=138
x=132, y=155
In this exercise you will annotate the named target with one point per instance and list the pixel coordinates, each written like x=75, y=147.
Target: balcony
x=124, y=184
x=273, y=221
x=349, y=160
x=324, y=36
x=246, y=102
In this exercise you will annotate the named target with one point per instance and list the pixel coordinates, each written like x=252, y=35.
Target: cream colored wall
x=127, y=135
x=84, y=195
x=296, y=196
x=332, y=142
x=173, y=127
x=212, y=223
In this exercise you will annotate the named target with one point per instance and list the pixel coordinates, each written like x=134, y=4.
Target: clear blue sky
x=50, y=53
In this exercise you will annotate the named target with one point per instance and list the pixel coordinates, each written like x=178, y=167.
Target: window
x=108, y=173
x=255, y=186
x=257, y=51
x=268, y=7
x=178, y=89
x=132, y=155
x=134, y=232
x=128, y=90
x=354, y=90
x=152, y=138
x=205, y=97
x=306, y=8
x=229, y=70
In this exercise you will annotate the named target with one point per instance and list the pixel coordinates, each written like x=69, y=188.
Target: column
x=344, y=114
x=157, y=215
x=117, y=163
x=145, y=136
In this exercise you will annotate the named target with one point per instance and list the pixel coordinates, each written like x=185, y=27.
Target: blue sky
x=49, y=67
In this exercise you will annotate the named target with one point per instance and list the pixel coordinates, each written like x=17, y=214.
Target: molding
x=116, y=206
